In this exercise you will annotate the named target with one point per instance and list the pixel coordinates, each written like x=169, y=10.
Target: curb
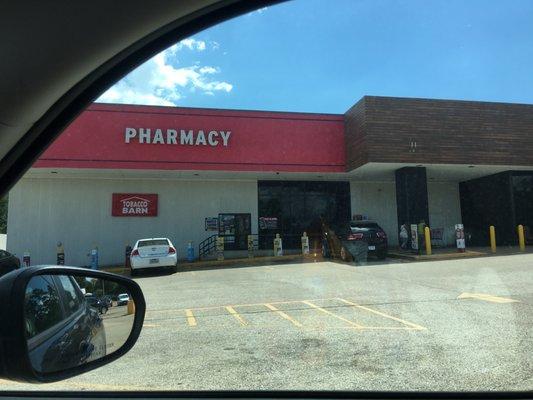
x=228, y=263
x=438, y=257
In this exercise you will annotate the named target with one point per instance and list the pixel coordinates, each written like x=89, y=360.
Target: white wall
x=444, y=208
x=377, y=200
x=77, y=212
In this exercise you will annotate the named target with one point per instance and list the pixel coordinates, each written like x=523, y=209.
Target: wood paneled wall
x=402, y=130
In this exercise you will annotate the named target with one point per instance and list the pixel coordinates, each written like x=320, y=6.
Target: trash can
x=190, y=252
x=127, y=260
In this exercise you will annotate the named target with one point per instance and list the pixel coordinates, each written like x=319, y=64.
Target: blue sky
x=305, y=55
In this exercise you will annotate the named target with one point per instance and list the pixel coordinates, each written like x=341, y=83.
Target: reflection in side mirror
x=72, y=320
x=57, y=322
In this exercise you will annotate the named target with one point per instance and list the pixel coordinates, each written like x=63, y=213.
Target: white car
x=153, y=252
x=123, y=299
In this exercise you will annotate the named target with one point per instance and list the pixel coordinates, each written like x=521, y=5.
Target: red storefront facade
x=164, y=138
x=143, y=171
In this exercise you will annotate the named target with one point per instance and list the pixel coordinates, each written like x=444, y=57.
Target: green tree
x=3, y=215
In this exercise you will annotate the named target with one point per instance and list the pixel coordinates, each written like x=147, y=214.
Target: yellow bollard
x=427, y=235
x=492, y=233
x=521, y=238
x=131, y=307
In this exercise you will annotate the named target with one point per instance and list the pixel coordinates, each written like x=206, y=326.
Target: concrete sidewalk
x=228, y=263
x=450, y=253
x=439, y=254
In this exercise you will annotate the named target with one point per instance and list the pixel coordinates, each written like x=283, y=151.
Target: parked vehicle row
x=104, y=303
x=97, y=303
x=147, y=253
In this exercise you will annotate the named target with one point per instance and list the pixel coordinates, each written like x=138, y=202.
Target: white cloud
x=123, y=94
x=209, y=70
x=159, y=82
x=191, y=44
x=258, y=11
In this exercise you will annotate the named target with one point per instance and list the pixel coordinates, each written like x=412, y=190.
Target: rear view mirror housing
x=43, y=349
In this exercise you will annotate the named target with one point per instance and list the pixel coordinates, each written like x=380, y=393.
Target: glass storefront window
x=300, y=206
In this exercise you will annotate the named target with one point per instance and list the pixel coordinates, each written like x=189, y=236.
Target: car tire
x=344, y=255
x=381, y=255
x=134, y=272
x=174, y=269
x=325, y=253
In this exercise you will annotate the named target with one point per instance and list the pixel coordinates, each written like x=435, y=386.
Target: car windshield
x=354, y=226
x=347, y=187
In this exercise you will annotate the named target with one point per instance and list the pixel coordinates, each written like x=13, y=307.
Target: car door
x=46, y=323
x=86, y=326
x=57, y=320
x=4, y=263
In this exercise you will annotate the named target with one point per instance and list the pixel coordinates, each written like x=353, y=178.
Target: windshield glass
x=363, y=225
x=347, y=192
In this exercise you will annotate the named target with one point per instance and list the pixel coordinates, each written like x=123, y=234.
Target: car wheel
x=324, y=250
x=344, y=256
x=382, y=255
x=134, y=272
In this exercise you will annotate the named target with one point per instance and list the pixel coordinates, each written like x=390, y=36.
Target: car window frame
x=152, y=240
x=64, y=296
x=70, y=104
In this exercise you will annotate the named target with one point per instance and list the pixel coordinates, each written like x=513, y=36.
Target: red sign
x=134, y=205
x=172, y=138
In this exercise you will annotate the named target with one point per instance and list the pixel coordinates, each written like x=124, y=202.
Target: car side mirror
x=58, y=322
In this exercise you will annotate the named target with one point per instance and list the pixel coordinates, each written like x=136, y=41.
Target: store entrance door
x=235, y=228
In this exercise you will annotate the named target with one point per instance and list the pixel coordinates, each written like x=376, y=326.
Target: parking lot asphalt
x=117, y=324
x=442, y=325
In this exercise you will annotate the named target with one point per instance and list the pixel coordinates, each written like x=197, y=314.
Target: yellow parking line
x=232, y=311
x=332, y=314
x=391, y=328
x=414, y=326
x=486, y=297
x=235, y=305
x=190, y=317
x=283, y=315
